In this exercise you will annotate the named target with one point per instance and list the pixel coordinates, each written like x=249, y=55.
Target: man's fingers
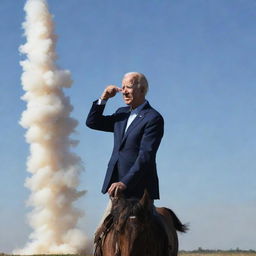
x=110, y=92
x=113, y=90
x=114, y=186
x=112, y=189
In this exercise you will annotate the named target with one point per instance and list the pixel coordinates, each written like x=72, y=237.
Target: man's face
x=132, y=95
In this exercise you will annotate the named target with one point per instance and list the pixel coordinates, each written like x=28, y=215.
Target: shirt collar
x=139, y=108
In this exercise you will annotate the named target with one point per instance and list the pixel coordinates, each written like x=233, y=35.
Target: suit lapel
x=123, y=124
x=135, y=122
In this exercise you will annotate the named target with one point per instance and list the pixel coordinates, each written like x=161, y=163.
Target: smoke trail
x=54, y=168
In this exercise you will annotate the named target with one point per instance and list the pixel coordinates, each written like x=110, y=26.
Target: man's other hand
x=116, y=186
x=110, y=92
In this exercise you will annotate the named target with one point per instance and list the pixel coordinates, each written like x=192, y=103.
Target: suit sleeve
x=97, y=121
x=150, y=142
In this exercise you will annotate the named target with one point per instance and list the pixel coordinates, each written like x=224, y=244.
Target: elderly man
x=138, y=130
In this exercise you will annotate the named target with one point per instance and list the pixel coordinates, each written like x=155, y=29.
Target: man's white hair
x=141, y=80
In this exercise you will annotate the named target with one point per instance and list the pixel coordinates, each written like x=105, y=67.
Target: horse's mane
x=123, y=209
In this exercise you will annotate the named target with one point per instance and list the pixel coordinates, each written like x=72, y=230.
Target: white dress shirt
x=133, y=112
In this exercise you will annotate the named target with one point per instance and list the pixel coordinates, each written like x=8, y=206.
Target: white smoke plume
x=54, y=168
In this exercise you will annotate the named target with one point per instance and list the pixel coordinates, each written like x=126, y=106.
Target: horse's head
x=132, y=225
x=135, y=228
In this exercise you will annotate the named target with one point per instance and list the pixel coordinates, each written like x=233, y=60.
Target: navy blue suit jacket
x=133, y=160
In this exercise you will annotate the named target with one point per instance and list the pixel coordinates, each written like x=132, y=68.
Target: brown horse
x=137, y=228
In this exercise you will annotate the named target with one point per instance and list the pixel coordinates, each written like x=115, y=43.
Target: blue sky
x=199, y=57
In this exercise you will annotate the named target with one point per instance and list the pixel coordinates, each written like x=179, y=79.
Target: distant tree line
x=201, y=250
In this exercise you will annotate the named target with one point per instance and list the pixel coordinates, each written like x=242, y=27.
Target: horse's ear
x=117, y=195
x=145, y=201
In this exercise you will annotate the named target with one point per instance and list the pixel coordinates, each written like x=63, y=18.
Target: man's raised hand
x=110, y=92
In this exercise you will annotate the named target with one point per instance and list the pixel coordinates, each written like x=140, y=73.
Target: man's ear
x=142, y=90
